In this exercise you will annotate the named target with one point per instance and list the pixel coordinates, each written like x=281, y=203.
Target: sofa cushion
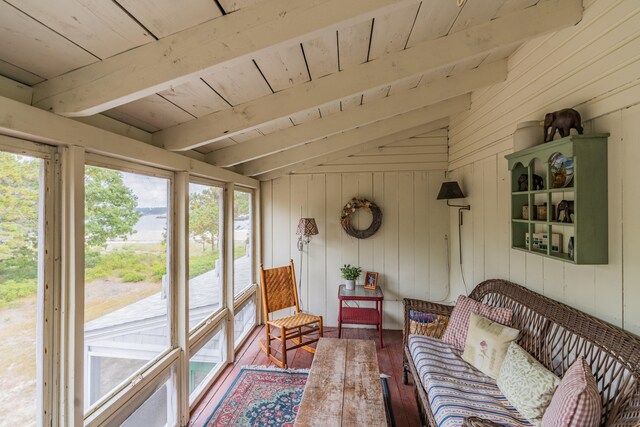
x=455, y=389
x=487, y=344
x=456, y=333
x=527, y=384
x=576, y=401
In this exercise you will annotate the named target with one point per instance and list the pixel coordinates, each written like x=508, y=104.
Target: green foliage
x=12, y=290
x=241, y=203
x=204, y=216
x=127, y=266
x=239, y=251
x=201, y=264
x=349, y=272
x=19, y=200
x=110, y=207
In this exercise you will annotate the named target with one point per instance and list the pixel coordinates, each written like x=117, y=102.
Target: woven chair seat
x=290, y=322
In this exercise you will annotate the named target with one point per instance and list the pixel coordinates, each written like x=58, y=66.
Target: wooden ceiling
x=266, y=87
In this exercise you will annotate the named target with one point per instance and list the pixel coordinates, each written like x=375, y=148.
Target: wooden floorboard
x=403, y=401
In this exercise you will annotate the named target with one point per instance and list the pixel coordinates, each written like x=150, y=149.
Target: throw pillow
x=526, y=383
x=456, y=332
x=576, y=402
x=487, y=344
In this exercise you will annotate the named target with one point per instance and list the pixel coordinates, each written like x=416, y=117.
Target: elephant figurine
x=563, y=121
x=523, y=182
x=565, y=211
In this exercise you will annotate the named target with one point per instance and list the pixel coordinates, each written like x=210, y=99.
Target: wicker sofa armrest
x=442, y=311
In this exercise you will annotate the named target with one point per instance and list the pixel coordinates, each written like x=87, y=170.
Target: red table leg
x=380, y=323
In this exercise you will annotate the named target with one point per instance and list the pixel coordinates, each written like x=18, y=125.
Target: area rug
x=261, y=397
x=265, y=396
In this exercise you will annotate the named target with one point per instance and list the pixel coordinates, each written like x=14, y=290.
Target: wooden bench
x=343, y=388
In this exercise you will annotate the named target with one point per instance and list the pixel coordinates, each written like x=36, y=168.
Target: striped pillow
x=456, y=332
x=576, y=402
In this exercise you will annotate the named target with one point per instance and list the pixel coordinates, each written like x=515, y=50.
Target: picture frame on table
x=371, y=280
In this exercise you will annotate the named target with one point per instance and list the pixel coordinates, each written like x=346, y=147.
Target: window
x=127, y=292
x=206, y=361
x=242, y=241
x=205, y=254
x=159, y=410
x=244, y=320
x=21, y=287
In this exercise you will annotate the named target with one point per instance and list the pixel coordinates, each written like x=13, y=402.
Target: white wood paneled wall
x=409, y=251
x=593, y=67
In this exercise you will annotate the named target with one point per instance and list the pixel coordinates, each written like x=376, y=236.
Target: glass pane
x=157, y=411
x=244, y=321
x=204, y=362
x=205, y=262
x=126, y=281
x=20, y=283
x=242, y=265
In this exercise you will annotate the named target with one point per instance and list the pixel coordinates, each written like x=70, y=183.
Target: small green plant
x=349, y=272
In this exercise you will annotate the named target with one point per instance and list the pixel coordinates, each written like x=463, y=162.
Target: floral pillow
x=456, y=332
x=487, y=344
x=526, y=384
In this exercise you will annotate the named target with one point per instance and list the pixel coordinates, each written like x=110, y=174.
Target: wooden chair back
x=279, y=289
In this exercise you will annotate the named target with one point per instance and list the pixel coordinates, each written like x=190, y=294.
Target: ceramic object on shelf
x=527, y=134
x=561, y=170
x=351, y=285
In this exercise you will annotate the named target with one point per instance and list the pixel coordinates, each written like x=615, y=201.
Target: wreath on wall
x=350, y=209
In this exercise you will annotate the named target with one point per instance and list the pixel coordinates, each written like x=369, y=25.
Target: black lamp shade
x=450, y=190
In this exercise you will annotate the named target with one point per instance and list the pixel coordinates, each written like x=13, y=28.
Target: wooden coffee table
x=343, y=388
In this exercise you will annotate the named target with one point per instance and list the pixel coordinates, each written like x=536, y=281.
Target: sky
x=150, y=190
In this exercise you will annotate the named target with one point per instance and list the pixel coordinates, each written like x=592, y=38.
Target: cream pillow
x=526, y=384
x=487, y=344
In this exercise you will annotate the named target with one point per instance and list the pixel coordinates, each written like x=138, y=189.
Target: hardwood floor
x=403, y=400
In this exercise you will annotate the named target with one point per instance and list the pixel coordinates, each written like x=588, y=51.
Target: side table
x=360, y=315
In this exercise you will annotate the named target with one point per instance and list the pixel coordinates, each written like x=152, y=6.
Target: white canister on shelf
x=351, y=284
x=527, y=134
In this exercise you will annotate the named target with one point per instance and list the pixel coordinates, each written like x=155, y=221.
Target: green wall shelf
x=587, y=189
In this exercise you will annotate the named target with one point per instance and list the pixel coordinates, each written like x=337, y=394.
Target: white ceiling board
x=165, y=17
x=283, y=68
x=233, y=5
x=239, y=83
x=404, y=84
x=353, y=44
x=350, y=102
x=391, y=31
x=223, y=143
x=29, y=45
x=475, y=12
x=246, y=136
x=99, y=26
x=155, y=111
x=124, y=117
x=196, y=97
x=322, y=54
x=275, y=125
x=305, y=116
x=374, y=94
x=434, y=20
x=513, y=5
x=330, y=108
x=18, y=74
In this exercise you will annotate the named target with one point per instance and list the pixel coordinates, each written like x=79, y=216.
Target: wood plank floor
x=389, y=360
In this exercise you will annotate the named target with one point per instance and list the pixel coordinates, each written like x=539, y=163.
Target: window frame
x=46, y=296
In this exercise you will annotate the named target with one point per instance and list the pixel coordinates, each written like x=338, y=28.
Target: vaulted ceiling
x=268, y=87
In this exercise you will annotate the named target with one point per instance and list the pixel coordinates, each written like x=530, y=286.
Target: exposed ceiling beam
x=356, y=136
x=196, y=51
x=378, y=142
x=548, y=15
x=24, y=121
x=425, y=94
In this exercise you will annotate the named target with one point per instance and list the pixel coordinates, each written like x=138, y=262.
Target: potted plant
x=350, y=274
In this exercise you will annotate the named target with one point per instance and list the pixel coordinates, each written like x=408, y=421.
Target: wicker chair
x=279, y=292
x=555, y=334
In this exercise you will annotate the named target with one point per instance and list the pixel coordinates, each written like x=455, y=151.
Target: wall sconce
x=451, y=190
x=307, y=227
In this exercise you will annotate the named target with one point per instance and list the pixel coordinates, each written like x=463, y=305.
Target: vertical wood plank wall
x=409, y=251
x=595, y=68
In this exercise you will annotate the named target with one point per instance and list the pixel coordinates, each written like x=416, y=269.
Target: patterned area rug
x=261, y=397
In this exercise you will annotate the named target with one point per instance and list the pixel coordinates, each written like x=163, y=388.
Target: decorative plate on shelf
x=561, y=170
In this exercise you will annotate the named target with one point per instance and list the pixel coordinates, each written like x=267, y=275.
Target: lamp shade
x=450, y=190
x=307, y=227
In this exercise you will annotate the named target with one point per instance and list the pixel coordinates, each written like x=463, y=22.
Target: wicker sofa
x=555, y=334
